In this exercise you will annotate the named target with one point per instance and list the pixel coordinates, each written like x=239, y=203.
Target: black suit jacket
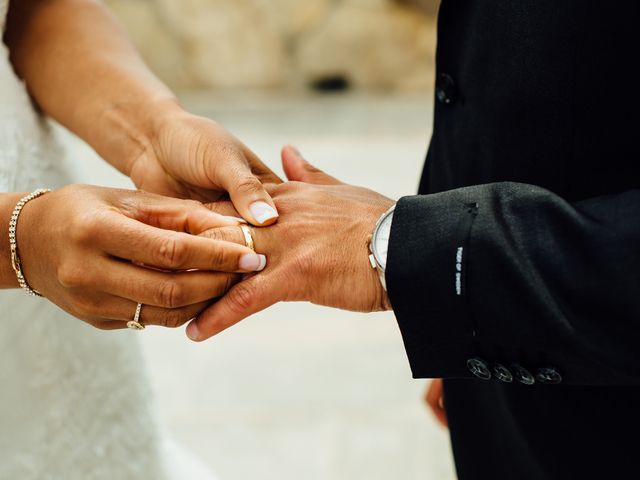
x=515, y=274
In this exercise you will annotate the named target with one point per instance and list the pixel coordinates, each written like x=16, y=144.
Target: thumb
x=298, y=169
x=250, y=296
x=247, y=193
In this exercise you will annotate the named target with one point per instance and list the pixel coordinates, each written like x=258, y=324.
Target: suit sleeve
x=513, y=274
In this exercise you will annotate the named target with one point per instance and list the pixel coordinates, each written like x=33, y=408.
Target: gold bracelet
x=15, y=258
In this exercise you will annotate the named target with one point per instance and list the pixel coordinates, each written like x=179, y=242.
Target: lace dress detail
x=28, y=152
x=75, y=401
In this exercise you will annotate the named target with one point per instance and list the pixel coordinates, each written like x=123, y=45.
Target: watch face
x=381, y=240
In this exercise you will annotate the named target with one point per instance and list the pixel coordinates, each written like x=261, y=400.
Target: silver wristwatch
x=379, y=245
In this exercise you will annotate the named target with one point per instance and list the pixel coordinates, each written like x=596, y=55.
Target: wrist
x=8, y=202
x=378, y=232
x=128, y=130
x=15, y=237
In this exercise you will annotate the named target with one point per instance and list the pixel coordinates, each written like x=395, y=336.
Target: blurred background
x=213, y=44
x=299, y=391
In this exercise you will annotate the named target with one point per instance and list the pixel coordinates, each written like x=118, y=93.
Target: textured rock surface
x=282, y=43
x=228, y=43
x=375, y=44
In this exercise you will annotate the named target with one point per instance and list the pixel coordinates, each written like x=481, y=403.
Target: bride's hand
x=194, y=157
x=318, y=251
x=78, y=246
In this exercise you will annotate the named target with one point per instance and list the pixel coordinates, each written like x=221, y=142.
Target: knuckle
x=248, y=185
x=219, y=257
x=271, y=188
x=213, y=234
x=171, y=253
x=228, y=282
x=174, y=318
x=85, y=227
x=71, y=275
x=224, y=283
x=170, y=295
x=241, y=298
x=230, y=234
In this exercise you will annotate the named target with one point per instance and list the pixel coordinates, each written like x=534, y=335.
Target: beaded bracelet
x=15, y=258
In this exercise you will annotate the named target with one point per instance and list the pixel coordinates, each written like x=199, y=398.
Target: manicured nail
x=296, y=150
x=192, y=331
x=262, y=212
x=252, y=262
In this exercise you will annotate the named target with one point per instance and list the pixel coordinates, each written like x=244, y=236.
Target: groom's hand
x=317, y=252
x=194, y=157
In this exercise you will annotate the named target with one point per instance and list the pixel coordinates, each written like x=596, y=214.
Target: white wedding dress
x=74, y=401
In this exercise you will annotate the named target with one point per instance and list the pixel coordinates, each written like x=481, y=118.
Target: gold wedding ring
x=135, y=323
x=248, y=238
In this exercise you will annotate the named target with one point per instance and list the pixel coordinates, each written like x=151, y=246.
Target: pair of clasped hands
x=176, y=246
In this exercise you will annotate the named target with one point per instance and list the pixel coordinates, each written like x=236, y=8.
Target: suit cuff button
x=549, y=375
x=522, y=375
x=502, y=373
x=479, y=368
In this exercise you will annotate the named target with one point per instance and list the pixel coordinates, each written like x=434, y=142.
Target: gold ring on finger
x=248, y=238
x=135, y=323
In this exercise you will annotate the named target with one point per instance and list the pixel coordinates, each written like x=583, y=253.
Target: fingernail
x=192, y=331
x=252, y=262
x=262, y=212
x=236, y=219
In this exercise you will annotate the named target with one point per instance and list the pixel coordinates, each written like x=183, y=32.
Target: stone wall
x=217, y=44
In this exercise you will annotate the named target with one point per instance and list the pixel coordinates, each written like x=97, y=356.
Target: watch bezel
x=376, y=229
